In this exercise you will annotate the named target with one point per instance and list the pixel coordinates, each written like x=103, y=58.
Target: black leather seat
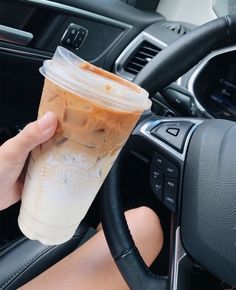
x=24, y=259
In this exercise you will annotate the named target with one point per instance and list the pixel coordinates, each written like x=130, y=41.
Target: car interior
x=179, y=160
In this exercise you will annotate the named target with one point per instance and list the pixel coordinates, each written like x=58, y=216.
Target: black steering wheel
x=204, y=169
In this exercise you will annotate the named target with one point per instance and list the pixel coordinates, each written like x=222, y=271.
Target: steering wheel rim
x=120, y=242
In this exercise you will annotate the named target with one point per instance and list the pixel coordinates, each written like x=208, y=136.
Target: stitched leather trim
x=25, y=266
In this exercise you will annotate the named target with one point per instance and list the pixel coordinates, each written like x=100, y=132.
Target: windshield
x=224, y=7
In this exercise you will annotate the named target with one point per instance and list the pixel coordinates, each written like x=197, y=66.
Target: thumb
x=31, y=136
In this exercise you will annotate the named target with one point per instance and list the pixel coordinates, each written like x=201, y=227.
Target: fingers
x=10, y=199
x=31, y=136
x=37, y=132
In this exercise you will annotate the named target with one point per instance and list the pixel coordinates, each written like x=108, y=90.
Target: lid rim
x=122, y=95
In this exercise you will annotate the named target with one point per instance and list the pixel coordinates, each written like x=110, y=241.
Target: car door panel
x=104, y=20
x=20, y=87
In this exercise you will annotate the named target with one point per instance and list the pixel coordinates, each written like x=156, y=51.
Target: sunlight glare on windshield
x=224, y=7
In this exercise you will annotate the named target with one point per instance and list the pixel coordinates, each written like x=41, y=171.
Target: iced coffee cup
x=96, y=113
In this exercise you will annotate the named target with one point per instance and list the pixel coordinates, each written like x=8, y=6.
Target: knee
x=146, y=218
x=147, y=215
x=146, y=230
x=150, y=223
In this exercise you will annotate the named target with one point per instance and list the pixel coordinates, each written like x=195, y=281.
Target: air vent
x=177, y=28
x=145, y=53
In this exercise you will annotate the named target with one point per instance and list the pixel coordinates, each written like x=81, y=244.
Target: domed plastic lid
x=73, y=73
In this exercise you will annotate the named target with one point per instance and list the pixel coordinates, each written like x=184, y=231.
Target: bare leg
x=91, y=266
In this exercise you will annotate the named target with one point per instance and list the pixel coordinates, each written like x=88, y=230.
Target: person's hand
x=13, y=155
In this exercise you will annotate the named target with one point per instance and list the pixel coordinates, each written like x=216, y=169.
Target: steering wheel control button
x=170, y=193
x=159, y=160
x=173, y=133
x=169, y=169
x=74, y=36
x=157, y=179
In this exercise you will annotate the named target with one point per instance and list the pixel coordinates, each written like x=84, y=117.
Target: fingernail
x=45, y=121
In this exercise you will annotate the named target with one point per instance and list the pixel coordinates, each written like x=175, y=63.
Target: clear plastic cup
x=96, y=113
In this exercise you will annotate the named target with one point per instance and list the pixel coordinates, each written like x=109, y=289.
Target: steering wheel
x=203, y=160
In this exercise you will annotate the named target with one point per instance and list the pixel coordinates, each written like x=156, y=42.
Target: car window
x=224, y=7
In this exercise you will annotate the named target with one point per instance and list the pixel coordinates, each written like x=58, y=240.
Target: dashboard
x=213, y=84
x=208, y=90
